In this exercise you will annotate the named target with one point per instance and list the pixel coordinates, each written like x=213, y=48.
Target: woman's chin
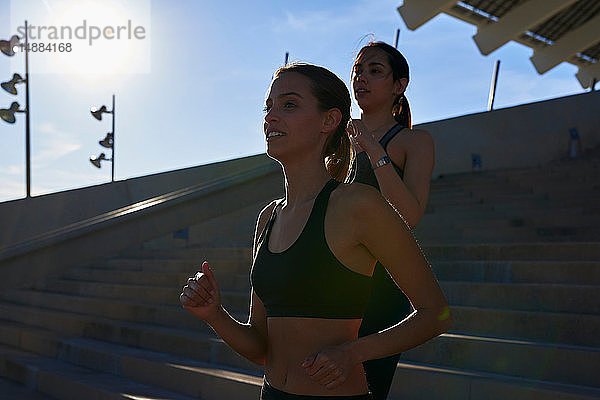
x=275, y=153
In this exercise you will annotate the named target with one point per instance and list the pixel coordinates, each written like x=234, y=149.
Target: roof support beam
x=416, y=12
x=587, y=74
x=519, y=19
x=568, y=45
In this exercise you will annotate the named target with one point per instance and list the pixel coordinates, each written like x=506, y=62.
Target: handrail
x=129, y=212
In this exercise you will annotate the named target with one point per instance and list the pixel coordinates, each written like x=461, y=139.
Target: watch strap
x=382, y=161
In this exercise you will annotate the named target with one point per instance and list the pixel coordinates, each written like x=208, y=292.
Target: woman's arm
x=381, y=231
x=201, y=296
x=407, y=195
x=389, y=240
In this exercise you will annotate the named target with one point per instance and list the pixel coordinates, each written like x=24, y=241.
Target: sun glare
x=83, y=37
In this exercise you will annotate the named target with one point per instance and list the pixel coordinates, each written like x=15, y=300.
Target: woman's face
x=373, y=80
x=293, y=121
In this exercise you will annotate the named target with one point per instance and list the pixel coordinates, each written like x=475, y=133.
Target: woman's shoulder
x=417, y=136
x=410, y=141
x=265, y=214
x=354, y=198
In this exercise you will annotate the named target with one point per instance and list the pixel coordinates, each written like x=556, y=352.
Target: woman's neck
x=303, y=182
x=378, y=122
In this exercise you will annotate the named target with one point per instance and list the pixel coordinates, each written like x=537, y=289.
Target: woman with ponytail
x=397, y=160
x=314, y=254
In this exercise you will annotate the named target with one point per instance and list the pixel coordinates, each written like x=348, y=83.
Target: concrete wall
x=25, y=218
x=522, y=136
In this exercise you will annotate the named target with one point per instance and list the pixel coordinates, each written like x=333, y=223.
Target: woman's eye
x=375, y=71
x=266, y=109
x=289, y=105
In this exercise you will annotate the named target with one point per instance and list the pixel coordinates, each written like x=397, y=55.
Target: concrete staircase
x=517, y=253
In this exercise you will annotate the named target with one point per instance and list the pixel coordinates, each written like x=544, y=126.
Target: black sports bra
x=307, y=280
x=362, y=170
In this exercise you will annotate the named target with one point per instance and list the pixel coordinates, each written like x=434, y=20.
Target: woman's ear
x=400, y=86
x=331, y=120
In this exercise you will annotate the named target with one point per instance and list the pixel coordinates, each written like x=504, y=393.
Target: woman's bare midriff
x=292, y=339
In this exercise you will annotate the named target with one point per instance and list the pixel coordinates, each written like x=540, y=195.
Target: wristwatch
x=382, y=161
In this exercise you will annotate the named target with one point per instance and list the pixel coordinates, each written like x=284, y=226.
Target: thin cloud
x=330, y=21
x=11, y=189
x=54, y=144
x=11, y=170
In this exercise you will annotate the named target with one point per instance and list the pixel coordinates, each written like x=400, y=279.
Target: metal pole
x=113, y=143
x=492, y=95
x=27, y=112
x=287, y=55
x=397, y=37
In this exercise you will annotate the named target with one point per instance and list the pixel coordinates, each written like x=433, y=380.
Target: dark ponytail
x=400, y=108
x=401, y=111
x=331, y=92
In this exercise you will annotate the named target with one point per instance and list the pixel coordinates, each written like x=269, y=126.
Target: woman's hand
x=330, y=366
x=201, y=295
x=360, y=135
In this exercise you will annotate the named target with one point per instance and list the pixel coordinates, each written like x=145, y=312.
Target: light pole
x=108, y=141
x=8, y=115
x=492, y=95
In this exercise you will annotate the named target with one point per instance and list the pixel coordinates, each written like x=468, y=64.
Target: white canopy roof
x=556, y=30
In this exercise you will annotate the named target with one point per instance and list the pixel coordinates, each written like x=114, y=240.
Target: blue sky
x=192, y=91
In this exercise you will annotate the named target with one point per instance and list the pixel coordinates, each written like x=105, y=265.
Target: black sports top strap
x=267, y=227
x=389, y=135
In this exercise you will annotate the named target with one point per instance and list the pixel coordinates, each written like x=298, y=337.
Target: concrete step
x=131, y=294
x=540, y=177
x=469, y=237
x=485, y=212
x=526, y=235
x=520, y=233
x=174, y=263
x=138, y=364
x=519, y=358
x=152, y=275
x=564, y=328
x=587, y=187
x=10, y=390
x=566, y=272
x=168, y=295
x=505, y=197
x=558, y=298
x=230, y=276
x=187, y=376
x=429, y=382
x=545, y=203
x=562, y=218
x=448, y=223
x=126, y=277
x=38, y=329
x=162, y=315
x=543, y=219
x=462, y=209
x=65, y=381
x=223, y=254
x=517, y=252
